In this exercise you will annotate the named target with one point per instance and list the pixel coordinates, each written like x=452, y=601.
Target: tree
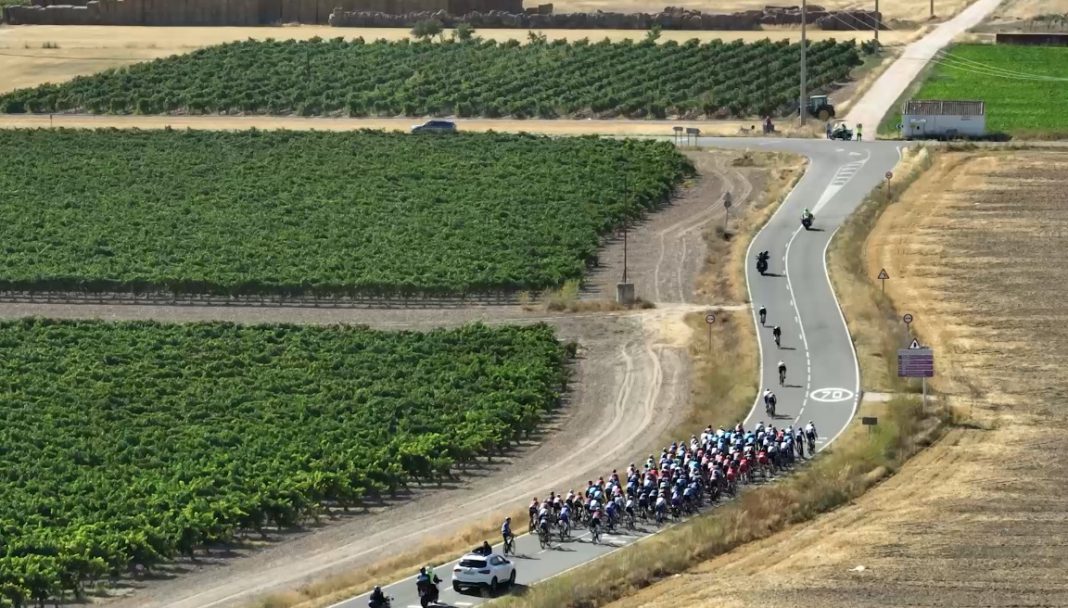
x=653, y=34
x=464, y=32
x=426, y=29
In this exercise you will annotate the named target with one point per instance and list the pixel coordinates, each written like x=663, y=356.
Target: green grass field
x=1019, y=85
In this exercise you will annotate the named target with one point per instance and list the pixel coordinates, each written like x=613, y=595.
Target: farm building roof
x=939, y=107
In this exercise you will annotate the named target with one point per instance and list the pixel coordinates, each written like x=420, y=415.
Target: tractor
x=819, y=107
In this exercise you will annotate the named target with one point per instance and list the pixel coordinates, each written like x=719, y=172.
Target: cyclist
x=595, y=525
x=782, y=373
x=533, y=510
x=777, y=333
x=506, y=534
x=810, y=434
x=660, y=508
x=565, y=519
x=763, y=312
x=543, y=528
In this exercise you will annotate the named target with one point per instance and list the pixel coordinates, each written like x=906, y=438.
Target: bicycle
x=509, y=544
x=543, y=539
x=782, y=376
x=565, y=530
x=595, y=533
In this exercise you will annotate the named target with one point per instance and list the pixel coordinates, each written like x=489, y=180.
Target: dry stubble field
x=977, y=252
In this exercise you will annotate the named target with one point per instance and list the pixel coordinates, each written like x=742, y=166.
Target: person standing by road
x=829, y=129
x=859, y=127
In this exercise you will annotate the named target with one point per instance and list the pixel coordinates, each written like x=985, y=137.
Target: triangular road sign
x=915, y=344
x=883, y=274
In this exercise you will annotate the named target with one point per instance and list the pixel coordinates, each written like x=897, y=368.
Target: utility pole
x=878, y=20
x=932, y=9
x=626, y=200
x=802, y=106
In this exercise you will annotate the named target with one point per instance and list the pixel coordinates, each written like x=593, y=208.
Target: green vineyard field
x=354, y=213
x=135, y=443
x=475, y=78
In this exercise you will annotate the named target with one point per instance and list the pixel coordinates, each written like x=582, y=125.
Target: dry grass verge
x=874, y=324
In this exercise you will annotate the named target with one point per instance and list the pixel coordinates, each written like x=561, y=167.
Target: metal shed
x=922, y=118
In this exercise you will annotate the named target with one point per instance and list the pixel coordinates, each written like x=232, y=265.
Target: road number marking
x=830, y=395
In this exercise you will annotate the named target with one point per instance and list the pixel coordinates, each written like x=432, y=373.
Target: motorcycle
x=806, y=221
x=428, y=593
x=762, y=262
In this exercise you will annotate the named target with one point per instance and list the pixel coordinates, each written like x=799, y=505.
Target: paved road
x=816, y=344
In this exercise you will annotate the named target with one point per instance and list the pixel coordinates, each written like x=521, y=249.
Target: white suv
x=482, y=571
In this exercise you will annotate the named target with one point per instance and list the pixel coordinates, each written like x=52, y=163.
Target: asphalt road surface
x=823, y=379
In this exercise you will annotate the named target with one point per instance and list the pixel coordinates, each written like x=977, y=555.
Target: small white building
x=935, y=118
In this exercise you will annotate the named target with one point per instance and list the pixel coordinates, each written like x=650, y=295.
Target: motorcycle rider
x=377, y=599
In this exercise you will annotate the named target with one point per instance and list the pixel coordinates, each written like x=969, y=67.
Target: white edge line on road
x=804, y=340
x=852, y=347
x=749, y=287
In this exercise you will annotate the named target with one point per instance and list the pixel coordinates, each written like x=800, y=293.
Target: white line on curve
x=852, y=347
x=749, y=286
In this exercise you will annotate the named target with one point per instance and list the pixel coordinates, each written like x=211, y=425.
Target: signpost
x=678, y=134
x=728, y=200
x=889, y=174
x=710, y=318
x=908, y=323
x=883, y=276
x=870, y=422
x=692, y=131
x=916, y=361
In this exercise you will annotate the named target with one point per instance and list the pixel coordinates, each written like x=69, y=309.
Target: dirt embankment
x=976, y=250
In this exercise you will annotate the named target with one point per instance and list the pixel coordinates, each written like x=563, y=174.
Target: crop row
x=473, y=78
x=135, y=443
x=315, y=213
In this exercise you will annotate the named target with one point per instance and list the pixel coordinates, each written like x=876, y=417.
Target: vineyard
x=471, y=78
x=325, y=214
x=136, y=443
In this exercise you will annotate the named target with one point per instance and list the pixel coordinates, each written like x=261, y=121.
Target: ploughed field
x=472, y=78
x=312, y=213
x=134, y=443
x=1024, y=88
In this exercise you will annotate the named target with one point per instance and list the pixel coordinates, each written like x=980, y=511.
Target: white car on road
x=482, y=572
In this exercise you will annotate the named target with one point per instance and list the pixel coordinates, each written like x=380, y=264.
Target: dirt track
x=631, y=385
x=977, y=252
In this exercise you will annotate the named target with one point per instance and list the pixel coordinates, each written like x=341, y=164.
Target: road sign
x=710, y=318
x=907, y=319
x=915, y=361
x=869, y=420
x=889, y=174
x=883, y=275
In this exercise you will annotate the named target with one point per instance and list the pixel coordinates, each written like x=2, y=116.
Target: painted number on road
x=830, y=395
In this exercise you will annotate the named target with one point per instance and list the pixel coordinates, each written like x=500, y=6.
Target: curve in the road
x=838, y=178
